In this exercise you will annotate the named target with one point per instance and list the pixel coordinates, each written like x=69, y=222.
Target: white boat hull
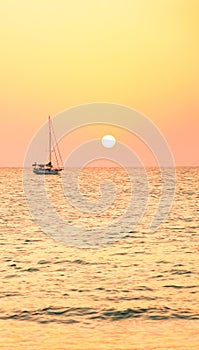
x=46, y=171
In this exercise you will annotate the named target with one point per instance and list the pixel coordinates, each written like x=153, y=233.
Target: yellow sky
x=141, y=53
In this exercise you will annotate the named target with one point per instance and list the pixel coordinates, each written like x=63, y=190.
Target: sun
x=108, y=141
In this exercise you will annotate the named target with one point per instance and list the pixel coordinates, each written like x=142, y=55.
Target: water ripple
x=72, y=315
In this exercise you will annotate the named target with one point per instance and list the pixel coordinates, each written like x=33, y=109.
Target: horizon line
x=90, y=166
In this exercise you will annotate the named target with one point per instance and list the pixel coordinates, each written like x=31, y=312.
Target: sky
x=140, y=53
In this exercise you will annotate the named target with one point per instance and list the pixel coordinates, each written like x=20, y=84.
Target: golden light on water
x=141, y=290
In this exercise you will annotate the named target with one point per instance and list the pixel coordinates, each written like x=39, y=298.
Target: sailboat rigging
x=49, y=169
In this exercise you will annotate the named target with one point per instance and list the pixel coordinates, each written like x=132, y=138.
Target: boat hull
x=46, y=171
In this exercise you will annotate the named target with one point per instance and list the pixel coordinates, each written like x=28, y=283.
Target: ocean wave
x=74, y=315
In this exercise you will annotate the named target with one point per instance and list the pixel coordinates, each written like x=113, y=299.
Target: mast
x=49, y=126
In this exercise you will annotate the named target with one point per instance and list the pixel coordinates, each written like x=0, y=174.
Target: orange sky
x=143, y=54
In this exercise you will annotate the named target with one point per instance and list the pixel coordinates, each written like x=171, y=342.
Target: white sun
x=108, y=141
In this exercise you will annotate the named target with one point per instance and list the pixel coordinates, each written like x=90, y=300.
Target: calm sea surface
x=140, y=292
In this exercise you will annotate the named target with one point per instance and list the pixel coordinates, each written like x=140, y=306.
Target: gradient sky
x=140, y=53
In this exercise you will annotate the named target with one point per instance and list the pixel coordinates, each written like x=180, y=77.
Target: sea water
x=141, y=291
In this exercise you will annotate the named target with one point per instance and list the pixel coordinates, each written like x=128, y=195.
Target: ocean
x=129, y=289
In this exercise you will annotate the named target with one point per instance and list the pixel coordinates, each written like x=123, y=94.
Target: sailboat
x=49, y=169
